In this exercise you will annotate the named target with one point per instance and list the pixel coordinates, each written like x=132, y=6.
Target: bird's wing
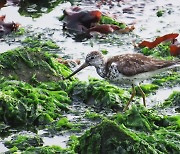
x=132, y=64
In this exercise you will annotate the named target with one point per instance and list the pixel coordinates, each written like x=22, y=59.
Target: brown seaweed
x=6, y=28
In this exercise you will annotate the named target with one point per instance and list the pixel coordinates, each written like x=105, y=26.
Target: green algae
x=32, y=90
x=26, y=63
x=175, y=119
x=22, y=142
x=108, y=137
x=170, y=78
x=23, y=104
x=35, y=9
x=146, y=120
x=47, y=150
x=36, y=42
x=140, y=119
x=41, y=150
x=104, y=51
x=93, y=115
x=20, y=32
x=137, y=131
x=63, y=123
x=160, y=13
x=72, y=143
x=100, y=94
x=108, y=20
x=12, y=150
x=147, y=88
x=161, y=51
x=172, y=100
x=106, y=94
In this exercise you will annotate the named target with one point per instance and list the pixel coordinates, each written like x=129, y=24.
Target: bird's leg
x=132, y=96
x=143, y=95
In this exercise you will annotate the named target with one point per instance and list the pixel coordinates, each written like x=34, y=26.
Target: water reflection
x=3, y=148
x=56, y=140
x=60, y=140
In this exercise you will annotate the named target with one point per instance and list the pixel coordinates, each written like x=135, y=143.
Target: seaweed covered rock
x=108, y=138
x=31, y=87
x=141, y=119
x=173, y=101
x=136, y=131
x=26, y=144
x=100, y=94
x=21, y=142
x=23, y=104
x=29, y=64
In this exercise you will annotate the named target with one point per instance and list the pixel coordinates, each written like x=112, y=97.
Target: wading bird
x=131, y=68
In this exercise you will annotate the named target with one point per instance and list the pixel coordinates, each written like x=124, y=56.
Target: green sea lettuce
x=147, y=88
x=63, y=123
x=173, y=99
x=108, y=137
x=108, y=20
x=47, y=149
x=137, y=131
x=31, y=87
x=140, y=119
x=100, y=94
x=36, y=42
x=27, y=64
x=161, y=51
x=21, y=142
x=23, y=104
x=171, y=78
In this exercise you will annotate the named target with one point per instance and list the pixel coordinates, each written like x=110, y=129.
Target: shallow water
x=3, y=148
x=161, y=95
x=55, y=140
x=143, y=16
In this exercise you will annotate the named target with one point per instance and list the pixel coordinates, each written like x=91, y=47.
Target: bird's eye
x=92, y=57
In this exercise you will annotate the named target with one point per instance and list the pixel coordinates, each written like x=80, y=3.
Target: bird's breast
x=116, y=76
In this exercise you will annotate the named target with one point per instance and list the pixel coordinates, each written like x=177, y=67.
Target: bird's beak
x=79, y=69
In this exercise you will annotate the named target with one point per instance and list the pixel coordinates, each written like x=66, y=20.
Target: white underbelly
x=136, y=79
x=116, y=76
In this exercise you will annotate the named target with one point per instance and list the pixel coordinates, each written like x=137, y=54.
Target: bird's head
x=94, y=58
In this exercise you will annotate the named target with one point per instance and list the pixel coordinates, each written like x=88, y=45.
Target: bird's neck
x=101, y=70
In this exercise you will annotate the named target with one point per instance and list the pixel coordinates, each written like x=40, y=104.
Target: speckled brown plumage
x=132, y=64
